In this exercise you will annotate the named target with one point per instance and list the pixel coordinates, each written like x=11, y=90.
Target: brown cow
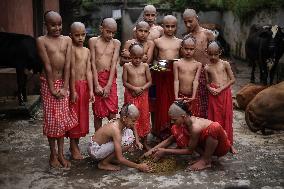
x=266, y=110
x=247, y=93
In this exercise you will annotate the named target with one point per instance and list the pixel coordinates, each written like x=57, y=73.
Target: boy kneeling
x=115, y=137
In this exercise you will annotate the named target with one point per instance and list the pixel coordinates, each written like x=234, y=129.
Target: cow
x=19, y=51
x=264, y=46
x=266, y=110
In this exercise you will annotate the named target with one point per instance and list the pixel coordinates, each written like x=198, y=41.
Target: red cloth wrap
x=141, y=102
x=216, y=131
x=81, y=108
x=181, y=135
x=102, y=106
x=164, y=98
x=202, y=95
x=58, y=116
x=193, y=106
x=220, y=109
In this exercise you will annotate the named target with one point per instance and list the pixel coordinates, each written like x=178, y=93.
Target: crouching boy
x=114, y=138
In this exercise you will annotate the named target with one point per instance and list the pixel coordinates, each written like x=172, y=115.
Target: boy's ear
x=70, y=35
x=101, y=28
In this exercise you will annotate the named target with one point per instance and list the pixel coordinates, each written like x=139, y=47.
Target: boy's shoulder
x=116, y=42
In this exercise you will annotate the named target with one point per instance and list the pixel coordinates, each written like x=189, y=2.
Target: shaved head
x=213, y=46
x=142, y=24
x=169, y=18
x=76, y=25
x=51, y=15
x=176, y=111
x=129, y=110
x=136, y=50
x=189, y=13
x=150, y=8
x=109, y=23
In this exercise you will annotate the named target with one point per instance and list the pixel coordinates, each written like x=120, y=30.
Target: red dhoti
x=164, y=98
x=202, y=95
x=216, y=131
x=193, y=105
x=181, y=135
x=141, y=102
x=58, y=116
x=81, y=108
x=103, y=106
x=220, y=109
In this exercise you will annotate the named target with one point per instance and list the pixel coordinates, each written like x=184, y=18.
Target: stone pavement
x=24, y=156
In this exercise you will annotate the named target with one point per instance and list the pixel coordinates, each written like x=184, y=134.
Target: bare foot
x=108, y=166
x=64, y=162
x=75, y=154
x=192, y=161
x=233, y=150
x=53, y=162
x=199, y=165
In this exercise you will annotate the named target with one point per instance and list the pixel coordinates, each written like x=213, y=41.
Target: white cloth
x=99, y=152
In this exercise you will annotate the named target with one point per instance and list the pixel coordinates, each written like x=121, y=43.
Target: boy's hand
x=158, y=153
x=92, y=97
x=62, y=93
x=99, y=90
x=213, y=91
x=125, y=53
x=187, y=100
x=106, y=91
x=74, y=97
x=147, y=154
x=139, y=145
x=144, y=58
x=55, y=93
x=144, y=167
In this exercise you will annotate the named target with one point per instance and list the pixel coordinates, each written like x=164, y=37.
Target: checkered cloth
x=202, y=94
x=58, y=116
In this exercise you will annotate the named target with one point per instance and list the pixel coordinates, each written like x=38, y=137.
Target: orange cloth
x=58, y=116
x=193, y=105
x=220, y=109
x=102, y=107
x=181, y=135
x=216, y=131
x=81, y=108
x=141, y=102
x=164, y=98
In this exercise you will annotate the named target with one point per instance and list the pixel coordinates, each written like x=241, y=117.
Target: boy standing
x=81, y=86
x=167, y=48
x=219, y=78
x=55, y=52
x=137, y=79
x=142, y=32
x=104, y=56
x=186, y=74
x=113, y=139
x=203, y=37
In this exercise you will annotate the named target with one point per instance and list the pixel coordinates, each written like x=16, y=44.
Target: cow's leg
x=272, y=72
x=263, y=72
x=21, y=81
x=252, y=77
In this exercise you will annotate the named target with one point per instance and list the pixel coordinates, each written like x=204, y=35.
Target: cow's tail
x=251, y=120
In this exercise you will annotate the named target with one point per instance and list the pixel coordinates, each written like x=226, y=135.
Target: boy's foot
x=53, y=162
x=76, y=154
x=108, y=166
x=64, y=162
x=233, y=150
x=199, y=165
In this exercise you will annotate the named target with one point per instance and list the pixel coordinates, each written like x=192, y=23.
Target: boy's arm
x=46, y=63
x=89, y=76
x=92, y=43
x=125, y=79
x=72, y=77
x=67, y=64
x=195, y=81
x=176, y=80
x=230, y=75
x=165, y=143
x=148, y=78
x=150, y=52
x=113, y=67
x=156, y=51
x=125, y=54
x=193, y=142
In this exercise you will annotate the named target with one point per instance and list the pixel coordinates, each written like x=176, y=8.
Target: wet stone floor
x=24, y=154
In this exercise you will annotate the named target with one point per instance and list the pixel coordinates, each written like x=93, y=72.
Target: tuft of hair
x=135, y=46
x=129, y=110
x=188, y=37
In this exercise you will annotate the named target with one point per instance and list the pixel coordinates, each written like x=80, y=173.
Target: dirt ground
x=24, y=154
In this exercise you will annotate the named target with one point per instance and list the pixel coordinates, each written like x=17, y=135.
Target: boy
x=81, y=86
x=142, y=32
x=113, y=139
x=149, y=16
x=104, y=56
x=167, y=48
x=204, y=136
x=186, y=74
x=55, y=52
x=219, y=78
x=203, y=37
x=137, y=79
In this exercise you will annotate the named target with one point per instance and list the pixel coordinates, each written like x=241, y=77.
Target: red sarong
x=164, y=98
x=193, y=105
x=102, y=106
x=81, y=108
x=181, y=135
x=220, y=109
x=58, y=116
x=216, y=131
x=141, y=102
x=202, y=95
